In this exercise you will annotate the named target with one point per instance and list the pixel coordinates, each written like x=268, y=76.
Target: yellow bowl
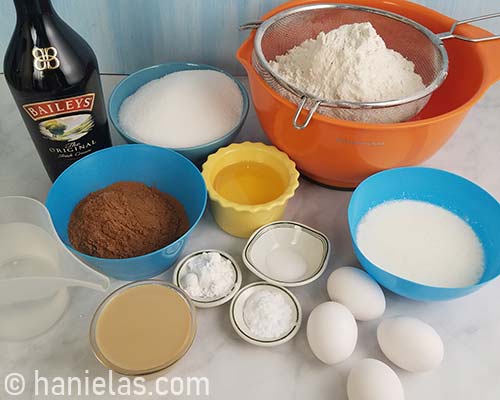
x=242, y=219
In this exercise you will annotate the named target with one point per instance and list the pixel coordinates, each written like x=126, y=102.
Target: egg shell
x=332, y=332
x=410, y=343
x=371, y=379
x=356, y=290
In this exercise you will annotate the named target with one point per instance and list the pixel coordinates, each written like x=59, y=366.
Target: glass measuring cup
x=35, y=270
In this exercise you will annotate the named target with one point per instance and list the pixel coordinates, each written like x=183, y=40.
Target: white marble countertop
x=470, y=327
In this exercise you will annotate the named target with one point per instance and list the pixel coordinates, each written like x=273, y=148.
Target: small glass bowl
x=108, y=364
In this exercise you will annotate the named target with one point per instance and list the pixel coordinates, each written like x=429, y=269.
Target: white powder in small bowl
x=208, y=276
x=183, y=109
x=268, y=314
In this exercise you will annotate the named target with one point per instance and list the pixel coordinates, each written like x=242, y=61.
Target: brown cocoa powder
x=126, y=219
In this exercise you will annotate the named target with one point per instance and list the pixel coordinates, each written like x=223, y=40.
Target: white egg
x=371, y=379
x=332, y=332
x=356, y=290
x=410, y=343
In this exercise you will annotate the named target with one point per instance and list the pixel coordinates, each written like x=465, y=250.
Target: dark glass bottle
x=54, y=78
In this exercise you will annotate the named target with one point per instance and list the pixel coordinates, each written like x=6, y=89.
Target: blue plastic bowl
x=130, y=84
x=454, y=193
x=165, y=169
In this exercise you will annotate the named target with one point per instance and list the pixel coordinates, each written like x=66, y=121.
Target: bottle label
x=64, y=131
x=67, y=129
x=45, y=58
x=52, y=108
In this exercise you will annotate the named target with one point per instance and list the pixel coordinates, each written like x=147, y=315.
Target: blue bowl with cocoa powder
x=162, y=168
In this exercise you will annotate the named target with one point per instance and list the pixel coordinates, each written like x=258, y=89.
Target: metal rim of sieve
x=305, y=96
x=435, y=39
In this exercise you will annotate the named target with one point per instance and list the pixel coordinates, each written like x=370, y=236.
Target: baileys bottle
x=54, y=78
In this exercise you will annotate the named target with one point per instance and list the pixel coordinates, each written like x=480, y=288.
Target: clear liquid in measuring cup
x=26, y=250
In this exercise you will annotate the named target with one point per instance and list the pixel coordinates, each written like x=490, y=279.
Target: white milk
x=421, y=242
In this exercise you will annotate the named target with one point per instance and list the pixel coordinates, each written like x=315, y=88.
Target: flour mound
x=350, y=63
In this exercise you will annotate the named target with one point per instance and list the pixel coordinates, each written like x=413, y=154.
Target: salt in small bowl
x=180, y=272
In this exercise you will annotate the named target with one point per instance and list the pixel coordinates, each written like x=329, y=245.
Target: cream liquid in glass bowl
x=143, y=327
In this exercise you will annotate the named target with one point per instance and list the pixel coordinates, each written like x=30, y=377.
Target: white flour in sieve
x=350, y=63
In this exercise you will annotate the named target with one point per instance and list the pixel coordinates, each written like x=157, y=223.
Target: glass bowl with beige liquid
x=143, y=327
x=249, y=185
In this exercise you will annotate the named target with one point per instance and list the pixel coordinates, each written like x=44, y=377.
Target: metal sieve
x=287, y=29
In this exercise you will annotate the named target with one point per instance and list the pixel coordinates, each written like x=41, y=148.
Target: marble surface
x=470, y=327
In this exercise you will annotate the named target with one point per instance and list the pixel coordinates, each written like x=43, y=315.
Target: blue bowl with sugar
x=161, y=168
x=449, y=191
x=135, y=81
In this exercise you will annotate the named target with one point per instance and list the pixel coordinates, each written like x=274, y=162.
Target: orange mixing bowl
x=343, y=153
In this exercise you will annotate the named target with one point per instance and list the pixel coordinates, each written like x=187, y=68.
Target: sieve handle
x=451, y=34
x=251, y=25
x=313, y=109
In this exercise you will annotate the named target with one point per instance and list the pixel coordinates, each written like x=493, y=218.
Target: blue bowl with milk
x=458, y=195
x=164, y=169
x=133, y=82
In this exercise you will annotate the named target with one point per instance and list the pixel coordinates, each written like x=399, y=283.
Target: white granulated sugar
x=183, y=109
x=268, y=314
x=208, y=276
x=350, y=63
x=421, y=242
